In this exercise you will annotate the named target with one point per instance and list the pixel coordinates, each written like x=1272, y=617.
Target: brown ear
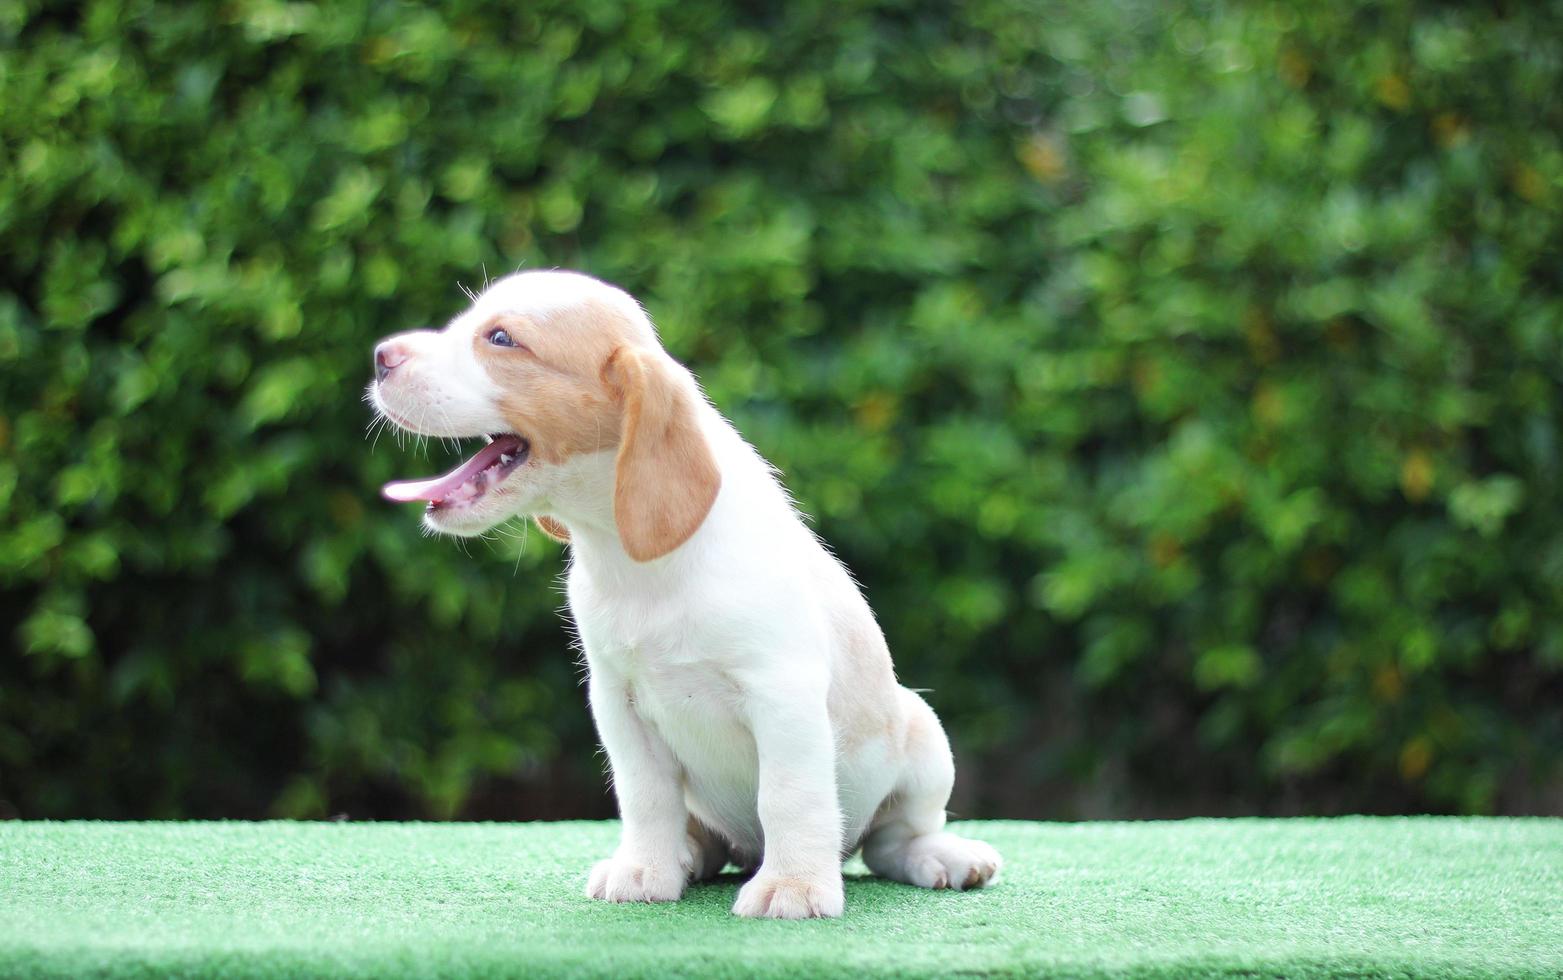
x=666, y=477
x=553, y=528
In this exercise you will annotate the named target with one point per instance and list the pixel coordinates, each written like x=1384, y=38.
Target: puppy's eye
x=500, y=337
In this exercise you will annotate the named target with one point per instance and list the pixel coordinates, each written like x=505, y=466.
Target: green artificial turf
x=1355, y=896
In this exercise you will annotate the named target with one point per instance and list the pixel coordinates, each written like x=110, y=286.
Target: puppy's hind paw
x=946, y=861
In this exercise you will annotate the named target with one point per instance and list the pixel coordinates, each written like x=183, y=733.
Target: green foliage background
x=1181, y=380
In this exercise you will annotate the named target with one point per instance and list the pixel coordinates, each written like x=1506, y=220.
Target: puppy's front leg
x=800, y=874
x=656, y=855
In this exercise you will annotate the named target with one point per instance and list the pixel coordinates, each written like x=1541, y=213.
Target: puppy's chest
x=680, y=693
x=687, y=699
x=675, y=666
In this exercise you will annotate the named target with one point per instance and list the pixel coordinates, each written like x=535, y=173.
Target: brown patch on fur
x=551, y=390
x=552, y=528
x=583, y=382
x=858, y=713
x=666, y=477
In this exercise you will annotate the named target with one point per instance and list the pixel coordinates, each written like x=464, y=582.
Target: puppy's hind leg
x=907, y=841
x=710, y=851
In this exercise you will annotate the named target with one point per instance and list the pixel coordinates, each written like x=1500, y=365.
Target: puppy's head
x=549, y=368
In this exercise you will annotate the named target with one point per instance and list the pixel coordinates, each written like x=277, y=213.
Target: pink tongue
x=441, y=487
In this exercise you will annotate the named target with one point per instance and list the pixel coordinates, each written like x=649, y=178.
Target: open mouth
x=469, y=481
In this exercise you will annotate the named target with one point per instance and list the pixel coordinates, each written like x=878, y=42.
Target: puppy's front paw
x=775, y=896
x=623, y=879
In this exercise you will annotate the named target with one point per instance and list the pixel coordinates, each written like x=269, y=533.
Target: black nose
x=386, y=357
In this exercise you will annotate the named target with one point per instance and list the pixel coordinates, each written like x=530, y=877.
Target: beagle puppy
x=737, y=677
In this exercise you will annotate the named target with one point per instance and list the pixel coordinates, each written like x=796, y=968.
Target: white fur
x=740, y=679
x=441, y=389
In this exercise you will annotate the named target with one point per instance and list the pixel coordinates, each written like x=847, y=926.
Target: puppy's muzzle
x=386, y=357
